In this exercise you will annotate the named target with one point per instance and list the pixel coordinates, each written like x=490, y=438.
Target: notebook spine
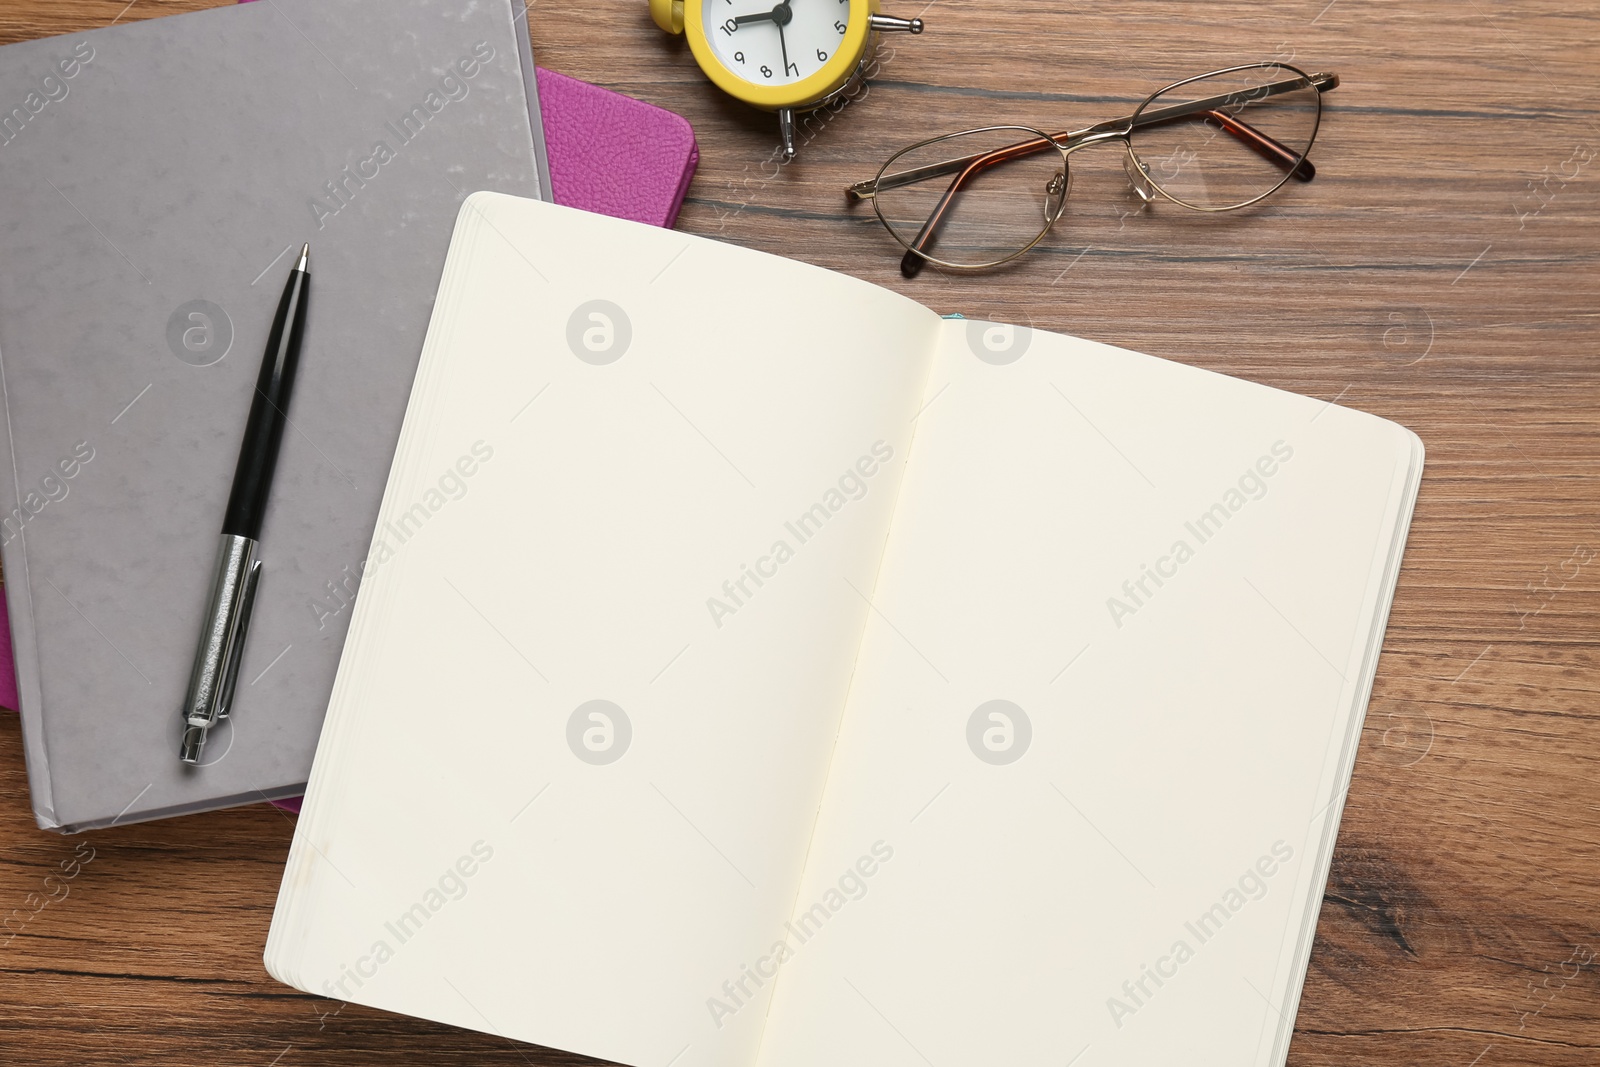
x=24, y=638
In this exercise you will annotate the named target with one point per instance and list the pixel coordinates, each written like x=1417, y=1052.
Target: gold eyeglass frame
x=1221, y=109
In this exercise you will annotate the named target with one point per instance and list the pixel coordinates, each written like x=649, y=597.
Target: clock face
x=775, y=44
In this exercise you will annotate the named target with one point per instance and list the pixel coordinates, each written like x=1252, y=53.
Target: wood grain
x=1435, y=273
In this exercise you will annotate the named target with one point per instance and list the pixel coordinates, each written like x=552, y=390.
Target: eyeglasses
x=1216, y=142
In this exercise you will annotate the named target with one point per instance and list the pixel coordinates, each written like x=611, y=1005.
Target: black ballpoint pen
x=233, y=582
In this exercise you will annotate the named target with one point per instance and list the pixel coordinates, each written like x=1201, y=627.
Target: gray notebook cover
x=154, y=178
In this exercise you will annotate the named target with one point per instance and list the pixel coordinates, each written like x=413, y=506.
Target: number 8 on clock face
x=783, y=56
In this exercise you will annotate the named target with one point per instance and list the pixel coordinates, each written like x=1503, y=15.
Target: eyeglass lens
x=1003, y=201
x=1235, y=152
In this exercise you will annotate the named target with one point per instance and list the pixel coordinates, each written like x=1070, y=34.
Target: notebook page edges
x=1102, y=718
x=1294, y=953
x=641, y=484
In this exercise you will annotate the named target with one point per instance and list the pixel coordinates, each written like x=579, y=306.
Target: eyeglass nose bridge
x=1096, y=135
x=1121, y=133
x=1059, y=186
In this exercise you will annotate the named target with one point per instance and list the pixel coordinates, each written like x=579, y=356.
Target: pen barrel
x=221, y=638
x=263, y=433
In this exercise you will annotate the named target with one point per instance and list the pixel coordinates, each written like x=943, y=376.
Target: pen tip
x=194, y=739
x=305, y=257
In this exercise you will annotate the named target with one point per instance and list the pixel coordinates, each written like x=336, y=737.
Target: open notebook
x=818, y=680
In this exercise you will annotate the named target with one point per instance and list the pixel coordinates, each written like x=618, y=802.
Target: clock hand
x=780, y=15
x=779, y=20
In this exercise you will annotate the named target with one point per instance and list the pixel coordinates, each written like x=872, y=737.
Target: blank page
x=584, y=716
x=1106, y=707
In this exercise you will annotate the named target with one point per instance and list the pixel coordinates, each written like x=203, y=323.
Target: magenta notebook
x=609, y=153
x=612, y=154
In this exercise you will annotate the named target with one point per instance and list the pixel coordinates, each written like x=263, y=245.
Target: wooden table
x=1443, y=270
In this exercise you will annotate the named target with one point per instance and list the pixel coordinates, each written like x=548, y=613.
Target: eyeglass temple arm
x=912, y=264
x=1261, y=142
x=1270, y=149
x=1320, y=82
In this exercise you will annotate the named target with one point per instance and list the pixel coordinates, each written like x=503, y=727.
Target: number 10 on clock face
x=776, y=45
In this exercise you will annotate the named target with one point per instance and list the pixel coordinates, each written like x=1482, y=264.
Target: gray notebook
x=154, y=178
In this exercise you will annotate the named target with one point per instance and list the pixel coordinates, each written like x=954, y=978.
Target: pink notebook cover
x=609, y=153
x=612, y=154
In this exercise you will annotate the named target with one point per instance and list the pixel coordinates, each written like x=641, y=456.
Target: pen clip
x=235, y=652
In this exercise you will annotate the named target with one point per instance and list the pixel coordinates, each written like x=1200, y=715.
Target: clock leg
x=786, y=131
x=888, y=22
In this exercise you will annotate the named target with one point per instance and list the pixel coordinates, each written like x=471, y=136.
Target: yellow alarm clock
x=792, y=56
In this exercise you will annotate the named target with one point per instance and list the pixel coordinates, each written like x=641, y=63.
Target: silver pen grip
x=222, y=637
